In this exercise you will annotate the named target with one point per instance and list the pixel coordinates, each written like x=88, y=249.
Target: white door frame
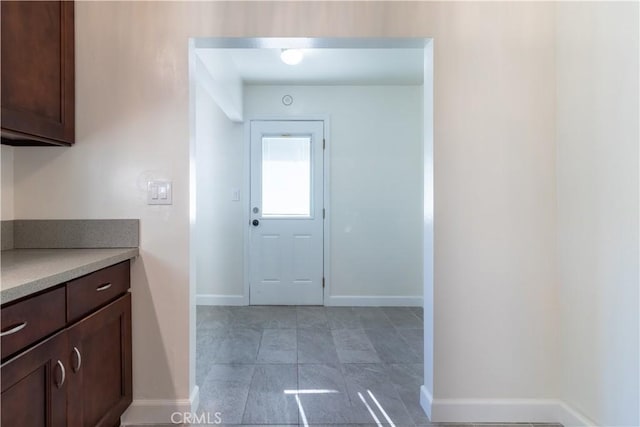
x=246, y=184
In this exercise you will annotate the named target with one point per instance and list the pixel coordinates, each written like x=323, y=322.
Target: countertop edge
x=38, y=285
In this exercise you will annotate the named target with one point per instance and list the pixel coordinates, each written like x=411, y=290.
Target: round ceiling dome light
x=291, y=56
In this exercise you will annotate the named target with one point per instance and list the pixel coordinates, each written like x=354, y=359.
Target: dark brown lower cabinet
x=100, y=366
x=79, y=377
x=35, y=385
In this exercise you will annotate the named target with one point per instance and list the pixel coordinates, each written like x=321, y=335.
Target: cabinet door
x=37, y=60
x=99, y=357
x=34, y=385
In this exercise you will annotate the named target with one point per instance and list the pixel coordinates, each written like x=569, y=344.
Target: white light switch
x=235, y=195
x=159, y=193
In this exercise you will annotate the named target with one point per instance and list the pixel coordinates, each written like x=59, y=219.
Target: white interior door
x=286, y=238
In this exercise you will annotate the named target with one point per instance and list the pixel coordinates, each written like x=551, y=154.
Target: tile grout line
x=297, y=362
x=298, y=381
x=259, y=345
x=246, y=402
x=346, y=385
x=297, y=343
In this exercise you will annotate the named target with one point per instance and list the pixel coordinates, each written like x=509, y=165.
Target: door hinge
x=324, y=143
x=324, y=213
x=323, y=283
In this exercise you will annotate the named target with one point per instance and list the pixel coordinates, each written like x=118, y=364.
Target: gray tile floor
x=311, y=365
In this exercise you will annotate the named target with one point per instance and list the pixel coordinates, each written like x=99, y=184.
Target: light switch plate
x=159, y=193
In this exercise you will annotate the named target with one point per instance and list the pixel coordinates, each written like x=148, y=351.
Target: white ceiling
x=325, y=66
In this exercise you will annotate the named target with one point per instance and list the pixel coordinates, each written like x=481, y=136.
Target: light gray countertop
x=27, y=271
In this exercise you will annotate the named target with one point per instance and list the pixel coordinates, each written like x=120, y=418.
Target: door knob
x=255, y=222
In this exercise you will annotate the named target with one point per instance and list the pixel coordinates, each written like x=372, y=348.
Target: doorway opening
x=380, y=224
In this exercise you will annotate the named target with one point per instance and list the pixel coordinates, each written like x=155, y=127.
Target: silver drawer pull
x=103, y=287
x=64, y=374
x=14, y=329
x=79, y=357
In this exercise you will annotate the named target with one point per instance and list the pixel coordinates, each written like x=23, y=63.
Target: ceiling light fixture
x=291, y=56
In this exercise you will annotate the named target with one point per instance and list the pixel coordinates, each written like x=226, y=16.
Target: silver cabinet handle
x=14, y=329
x=103, y=287
x=64, y=374
x=79, y=358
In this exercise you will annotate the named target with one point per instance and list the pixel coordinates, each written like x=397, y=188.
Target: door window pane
x=286, y=176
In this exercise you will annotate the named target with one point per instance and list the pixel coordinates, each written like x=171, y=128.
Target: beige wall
x=494, y=158
x=6, y=180
x=598, y=134
x=495, y=304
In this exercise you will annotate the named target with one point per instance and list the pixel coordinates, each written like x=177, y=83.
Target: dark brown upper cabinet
x=37, y=73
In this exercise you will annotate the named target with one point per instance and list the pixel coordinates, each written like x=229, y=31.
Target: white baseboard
x=426, y=400
x=195, y=398
x=569, y=417
x=159, y=411
x=501, y=411
x=371, y=301
x=334, y=301
x=212, y=299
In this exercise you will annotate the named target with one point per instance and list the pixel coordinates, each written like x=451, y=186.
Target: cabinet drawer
x=96, y=289
x=27, y=321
